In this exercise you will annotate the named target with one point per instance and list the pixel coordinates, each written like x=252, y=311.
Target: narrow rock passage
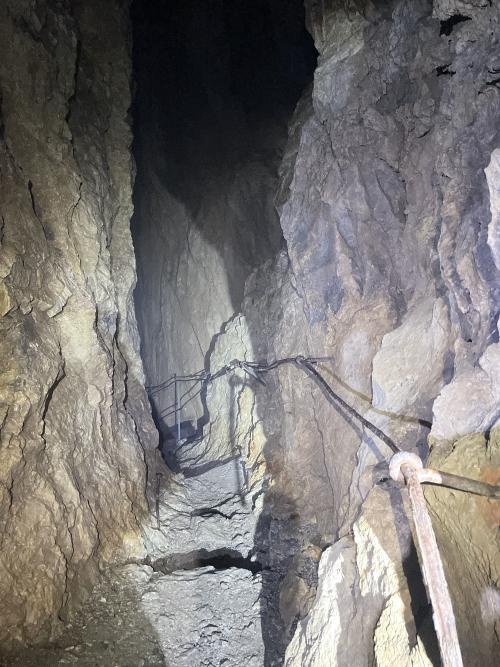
x=204, y=222
x=307, y=178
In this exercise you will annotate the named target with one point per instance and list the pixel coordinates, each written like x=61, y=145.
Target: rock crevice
x=72, y=470
x=338, y=201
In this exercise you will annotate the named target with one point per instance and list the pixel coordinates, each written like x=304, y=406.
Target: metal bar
x=178, y=414
x=430, y=476
x=176, y=402
x=158, y=486
x=409, y=466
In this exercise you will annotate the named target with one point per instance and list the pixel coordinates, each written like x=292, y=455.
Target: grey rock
x=207, y=618
x=387, y=200
x=209, y=511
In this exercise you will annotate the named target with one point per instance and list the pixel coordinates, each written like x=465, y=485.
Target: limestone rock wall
x=75, y=425
x=387, y=202
x=388, y=207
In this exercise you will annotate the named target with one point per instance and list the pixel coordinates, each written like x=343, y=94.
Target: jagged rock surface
x=389, y=207
x=73, y=412
x=368, y=579
x=388, y=203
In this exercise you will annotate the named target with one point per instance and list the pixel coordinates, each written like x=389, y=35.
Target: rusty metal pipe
x=438, y=477
x=408, y=466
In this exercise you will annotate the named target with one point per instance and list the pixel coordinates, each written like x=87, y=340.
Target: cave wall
x=389, y=213
x=74, y=418
x=387, y=201
x=216, y=84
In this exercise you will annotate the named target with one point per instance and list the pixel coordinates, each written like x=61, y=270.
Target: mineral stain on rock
x=185, y=184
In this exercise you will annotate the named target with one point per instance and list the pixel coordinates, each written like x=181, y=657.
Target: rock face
x=387, y=202
x=269, y=532
x=73, y=414
x=389, y=207
x=363, y=608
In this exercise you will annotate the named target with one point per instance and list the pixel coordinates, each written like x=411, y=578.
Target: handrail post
x=177, y=410
x=178, y=413
x=405, y=466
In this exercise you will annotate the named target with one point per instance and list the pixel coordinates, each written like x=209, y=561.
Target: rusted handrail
x=408, y=467
x=440, y=478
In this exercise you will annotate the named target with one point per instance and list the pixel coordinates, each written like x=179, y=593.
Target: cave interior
x=248, y=252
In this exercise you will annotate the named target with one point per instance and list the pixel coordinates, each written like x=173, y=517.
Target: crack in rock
x=218, y=559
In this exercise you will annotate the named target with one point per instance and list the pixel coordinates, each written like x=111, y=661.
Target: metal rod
x=430, y=476
x=409, y=466
x=177, y=413
x=158, y=486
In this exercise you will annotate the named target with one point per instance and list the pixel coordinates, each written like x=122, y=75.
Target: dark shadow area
x=279, y=542
x=219, y=559
x=446, y=26
x=210, y=77
x=216, y=85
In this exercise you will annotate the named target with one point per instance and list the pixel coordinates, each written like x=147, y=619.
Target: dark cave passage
x=216, y=84
x=217, y=191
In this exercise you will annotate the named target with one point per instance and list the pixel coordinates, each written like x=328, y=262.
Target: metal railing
x=404, y=466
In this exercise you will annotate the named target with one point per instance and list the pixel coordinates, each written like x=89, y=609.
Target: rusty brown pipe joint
x=402, y=464
x=438, y=477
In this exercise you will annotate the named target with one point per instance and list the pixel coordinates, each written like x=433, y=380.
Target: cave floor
x=110, y=630
x=196, y=600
